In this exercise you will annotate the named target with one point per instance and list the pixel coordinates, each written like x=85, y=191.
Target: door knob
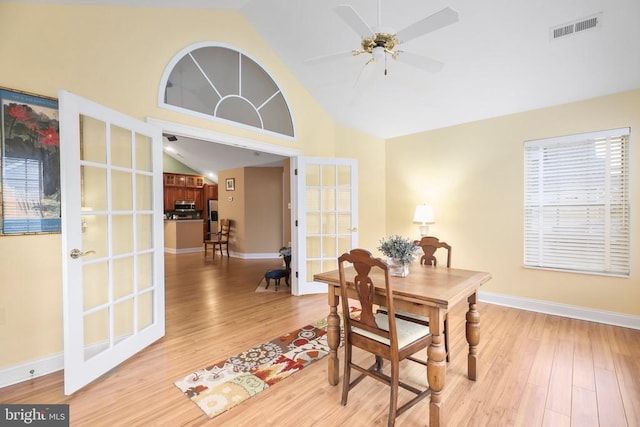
x=77, y=253
x=354, y=229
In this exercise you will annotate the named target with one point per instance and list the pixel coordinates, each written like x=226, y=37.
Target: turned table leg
x=473, y=336
x=333, y=338
x=436, y=368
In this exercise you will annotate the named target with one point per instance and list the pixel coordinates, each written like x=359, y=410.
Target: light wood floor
x=534, y=369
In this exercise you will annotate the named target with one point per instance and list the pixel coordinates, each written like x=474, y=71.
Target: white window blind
x=577, y=203
x=21, y=202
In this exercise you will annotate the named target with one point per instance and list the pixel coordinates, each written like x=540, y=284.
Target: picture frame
x=30, y=163
x=230, y=184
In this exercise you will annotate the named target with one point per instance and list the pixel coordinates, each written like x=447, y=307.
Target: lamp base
x=424, y=230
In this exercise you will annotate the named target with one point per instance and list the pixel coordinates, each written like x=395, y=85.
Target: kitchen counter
x=183, y=236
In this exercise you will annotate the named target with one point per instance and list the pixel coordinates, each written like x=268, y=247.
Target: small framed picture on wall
x=230, y=184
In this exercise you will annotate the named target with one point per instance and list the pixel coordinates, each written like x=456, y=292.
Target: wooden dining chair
x=429, y=246
x=383, y=335
x=219, y=239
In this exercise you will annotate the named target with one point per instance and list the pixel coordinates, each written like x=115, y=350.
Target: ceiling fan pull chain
x=385, y=63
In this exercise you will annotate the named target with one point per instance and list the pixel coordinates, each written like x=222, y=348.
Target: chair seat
x=408, y=332
x=276, y=274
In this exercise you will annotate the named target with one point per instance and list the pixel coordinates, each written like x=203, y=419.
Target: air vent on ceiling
x=577, y=26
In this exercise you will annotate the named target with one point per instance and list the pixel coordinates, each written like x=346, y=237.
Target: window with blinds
x=576, y=211
x=22, y=209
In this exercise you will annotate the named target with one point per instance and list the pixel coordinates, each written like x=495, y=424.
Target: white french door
x=326, y=213
x=112, y=238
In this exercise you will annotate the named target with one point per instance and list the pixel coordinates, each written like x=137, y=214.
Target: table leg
x=333, y=338
x=436, y=367
x=473, y=336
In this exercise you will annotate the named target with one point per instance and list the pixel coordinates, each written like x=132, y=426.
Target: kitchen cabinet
x=187, y=187
x=182, y=180
x=210, y=192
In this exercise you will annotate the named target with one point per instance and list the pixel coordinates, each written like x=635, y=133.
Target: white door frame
x=239, y=142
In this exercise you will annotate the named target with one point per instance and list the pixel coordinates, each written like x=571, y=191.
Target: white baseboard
x=175, y=251
x=255, y=255
x=23, y=372
x=582, y=313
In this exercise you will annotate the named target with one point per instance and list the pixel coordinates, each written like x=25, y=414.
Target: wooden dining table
x=426, y=291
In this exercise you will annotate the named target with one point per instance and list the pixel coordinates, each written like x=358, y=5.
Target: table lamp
x=423, y=215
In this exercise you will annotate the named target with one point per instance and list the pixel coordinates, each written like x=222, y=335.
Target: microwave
x=184, y=205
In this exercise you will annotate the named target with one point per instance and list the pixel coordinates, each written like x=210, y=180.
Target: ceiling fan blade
x=354, y=20
x=421, y=62
x=330, y=57
x=446, y=16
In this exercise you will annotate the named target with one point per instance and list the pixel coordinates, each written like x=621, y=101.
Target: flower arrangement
x=400, y=249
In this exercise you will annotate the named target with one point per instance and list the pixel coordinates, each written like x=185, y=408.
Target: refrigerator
x=212, y=215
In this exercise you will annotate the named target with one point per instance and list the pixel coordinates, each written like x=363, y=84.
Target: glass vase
x=397, y=269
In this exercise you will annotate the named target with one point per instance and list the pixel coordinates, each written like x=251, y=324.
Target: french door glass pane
x=120, y=147
x=122, y=234
x=145, y=310
x=96, y=333
x=94, y=236
x=94, y=188
x=145, y=271
x=122, y=277
x=122, y=191
x=93, y=147
x=143, y=153
x=95, y=288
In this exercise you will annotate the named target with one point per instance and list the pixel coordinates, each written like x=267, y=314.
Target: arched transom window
x=222, y=83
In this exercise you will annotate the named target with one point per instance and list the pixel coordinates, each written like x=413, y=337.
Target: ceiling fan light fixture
x=378, y=53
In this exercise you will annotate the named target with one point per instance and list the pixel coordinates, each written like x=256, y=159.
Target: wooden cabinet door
x=168, y=199
x=198, y=198
x=211, y=192
x=169, y=179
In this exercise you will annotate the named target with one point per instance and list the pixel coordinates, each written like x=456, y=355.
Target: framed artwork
x=230, y=184
x=30, y=163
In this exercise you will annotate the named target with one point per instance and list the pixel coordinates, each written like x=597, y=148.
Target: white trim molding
x=574, y=312
x=32, y=369
x=175, y=251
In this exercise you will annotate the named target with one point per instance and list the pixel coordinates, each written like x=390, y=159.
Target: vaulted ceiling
x=500, y=57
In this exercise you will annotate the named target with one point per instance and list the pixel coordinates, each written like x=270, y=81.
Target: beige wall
x=254, y=208
x=371, y=183
x=114, y=56
x=263, y=214
x=473, y=176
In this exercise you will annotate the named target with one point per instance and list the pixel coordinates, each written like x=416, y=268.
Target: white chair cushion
x=408, y=332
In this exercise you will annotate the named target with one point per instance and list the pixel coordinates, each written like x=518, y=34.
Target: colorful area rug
x=229, y=382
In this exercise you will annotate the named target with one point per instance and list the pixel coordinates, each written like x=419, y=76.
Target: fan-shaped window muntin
x=219, y=82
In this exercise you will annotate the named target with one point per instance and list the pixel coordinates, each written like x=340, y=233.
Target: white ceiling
x=498, y=58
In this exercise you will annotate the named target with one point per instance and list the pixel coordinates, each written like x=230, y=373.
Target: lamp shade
x=423, y=214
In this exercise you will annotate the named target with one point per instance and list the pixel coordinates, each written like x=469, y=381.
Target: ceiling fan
x=382, y=43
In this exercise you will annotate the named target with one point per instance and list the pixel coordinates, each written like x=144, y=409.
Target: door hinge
x=296, y=274
x=296, y=222
x=295, y=171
